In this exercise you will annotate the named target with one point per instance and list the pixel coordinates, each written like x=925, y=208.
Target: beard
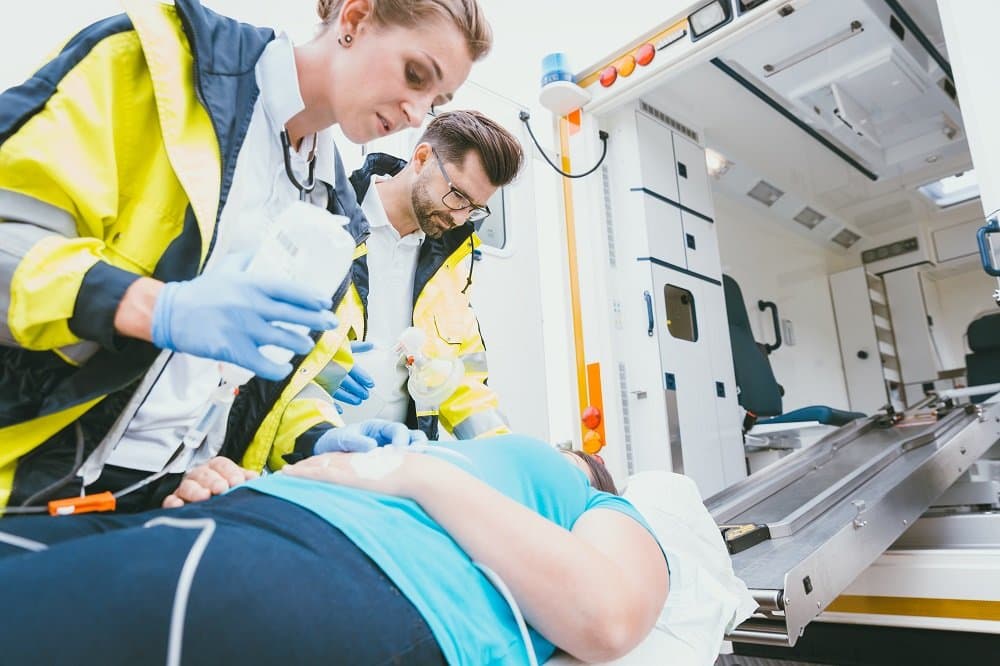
x=434, y=220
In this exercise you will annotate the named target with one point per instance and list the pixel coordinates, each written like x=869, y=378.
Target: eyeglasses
x=454, y=199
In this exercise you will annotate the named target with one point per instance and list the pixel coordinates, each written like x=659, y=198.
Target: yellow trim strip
x=592, y=77
x=574, y=280
x=965, y=609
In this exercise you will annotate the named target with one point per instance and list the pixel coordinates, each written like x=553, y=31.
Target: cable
x=26, y=507
x=77, y=461
x=472, y=262
x=525, y=117
x=177, y=614
x=505, y=592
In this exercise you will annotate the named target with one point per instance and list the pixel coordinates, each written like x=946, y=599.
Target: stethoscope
x=303, y=188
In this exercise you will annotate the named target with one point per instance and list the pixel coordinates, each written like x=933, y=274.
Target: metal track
x=834, y=507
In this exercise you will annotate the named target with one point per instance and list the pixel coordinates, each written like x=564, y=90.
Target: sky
x=524, y=31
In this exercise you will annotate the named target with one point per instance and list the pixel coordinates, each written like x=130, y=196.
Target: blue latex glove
x=365, y=436
x=225, y=314
x=353, y=390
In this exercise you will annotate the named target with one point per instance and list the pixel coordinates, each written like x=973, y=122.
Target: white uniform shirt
x=392, y=264
x=260, y=190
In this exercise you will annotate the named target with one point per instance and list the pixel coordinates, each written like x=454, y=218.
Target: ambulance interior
x=893, y=129
x=843, y=202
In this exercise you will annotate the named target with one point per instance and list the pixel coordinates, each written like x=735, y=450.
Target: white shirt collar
x=281, y=99
x=377, y=219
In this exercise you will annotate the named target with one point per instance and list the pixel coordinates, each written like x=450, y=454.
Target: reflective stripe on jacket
x=442, y=309
x=116, y=159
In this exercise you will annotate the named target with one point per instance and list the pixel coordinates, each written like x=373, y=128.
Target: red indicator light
x=644, y=54
x=609, y=76
x=591, y=417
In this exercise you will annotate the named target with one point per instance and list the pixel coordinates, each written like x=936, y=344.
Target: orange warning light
x=592, y=442
x=626, y=65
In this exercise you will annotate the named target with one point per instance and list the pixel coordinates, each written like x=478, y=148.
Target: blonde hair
x=466, y=15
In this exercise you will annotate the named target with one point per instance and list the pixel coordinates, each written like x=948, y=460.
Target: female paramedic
x=138, y=169
x=391, y=556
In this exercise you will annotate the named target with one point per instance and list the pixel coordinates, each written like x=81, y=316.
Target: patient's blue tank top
x=467, y=615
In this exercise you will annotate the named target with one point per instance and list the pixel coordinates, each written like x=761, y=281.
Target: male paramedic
x=417, y=271
x=414, y=268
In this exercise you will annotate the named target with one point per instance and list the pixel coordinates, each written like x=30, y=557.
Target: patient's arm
x=595, y=592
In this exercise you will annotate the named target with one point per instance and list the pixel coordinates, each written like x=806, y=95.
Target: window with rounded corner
x=682, y=322
x=493, y=230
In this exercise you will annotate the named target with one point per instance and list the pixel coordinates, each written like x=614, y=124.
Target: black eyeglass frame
x=476, y=213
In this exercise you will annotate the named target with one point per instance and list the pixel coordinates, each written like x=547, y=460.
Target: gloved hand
x=226, y=314
x=367, y=435
x=353, y=390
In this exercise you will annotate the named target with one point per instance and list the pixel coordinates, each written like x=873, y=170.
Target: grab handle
x=770, y=305
x=649, y=313
x=985, y=252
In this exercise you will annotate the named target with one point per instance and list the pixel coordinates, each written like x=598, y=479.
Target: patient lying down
x=483, y=552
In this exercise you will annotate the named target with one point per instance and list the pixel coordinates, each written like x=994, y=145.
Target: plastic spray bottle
x=305, y=244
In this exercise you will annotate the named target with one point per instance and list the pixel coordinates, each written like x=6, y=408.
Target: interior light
x=765, y=193
x=845, y=238
x=716, y=163
x=710, y=17
x=809, y=218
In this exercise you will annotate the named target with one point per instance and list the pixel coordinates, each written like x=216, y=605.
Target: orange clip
x=87, y=504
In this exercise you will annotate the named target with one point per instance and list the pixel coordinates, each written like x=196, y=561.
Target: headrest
x=758, y=389
x=736, y=310
x=984, y=333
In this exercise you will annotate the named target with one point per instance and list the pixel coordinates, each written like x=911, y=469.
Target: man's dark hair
x=455, y=133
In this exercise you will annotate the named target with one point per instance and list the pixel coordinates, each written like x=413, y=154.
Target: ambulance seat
x=758, y=390
x=982, y=366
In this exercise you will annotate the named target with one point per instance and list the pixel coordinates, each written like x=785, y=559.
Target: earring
x=345, y=41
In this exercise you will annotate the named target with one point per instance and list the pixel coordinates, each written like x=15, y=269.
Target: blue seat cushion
x=982, y=368
x=823, y=414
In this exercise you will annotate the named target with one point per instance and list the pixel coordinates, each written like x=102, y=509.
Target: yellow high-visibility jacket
x=116, y=158
x=442, y=309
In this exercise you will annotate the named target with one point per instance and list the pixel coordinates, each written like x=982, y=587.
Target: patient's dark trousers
x=270, y=583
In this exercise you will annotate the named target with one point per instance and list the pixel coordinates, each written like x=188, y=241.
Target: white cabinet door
x=701, y=246
x=664, y=230
x=859, y=346
x=656, y=157
x=918, y=357
x=640, y=380
x=715, y=332
x=692, y=176
x=691, y=388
